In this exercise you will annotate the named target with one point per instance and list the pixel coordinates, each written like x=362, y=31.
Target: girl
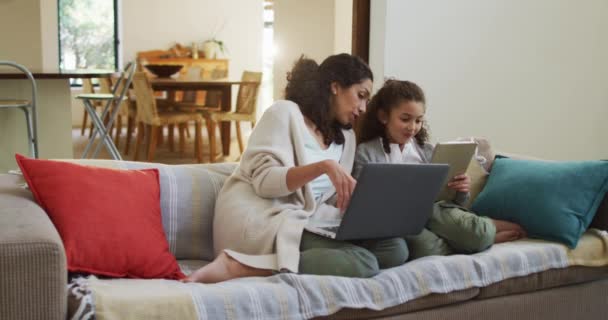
x=298, y=157
x=394, y=131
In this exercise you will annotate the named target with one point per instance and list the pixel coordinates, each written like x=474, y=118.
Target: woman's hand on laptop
x=460, y=183
x=342, y=181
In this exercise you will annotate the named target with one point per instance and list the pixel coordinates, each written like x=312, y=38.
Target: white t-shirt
x=411, y=153
x=314, y=153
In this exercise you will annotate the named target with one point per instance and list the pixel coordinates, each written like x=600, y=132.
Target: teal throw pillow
x=551, y=200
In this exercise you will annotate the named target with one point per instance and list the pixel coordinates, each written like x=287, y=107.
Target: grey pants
x=452, y=229
x=362, y=259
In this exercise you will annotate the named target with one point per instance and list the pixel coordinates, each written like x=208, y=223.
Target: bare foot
x=505, y=236
x=224, y=268
x=502, y=225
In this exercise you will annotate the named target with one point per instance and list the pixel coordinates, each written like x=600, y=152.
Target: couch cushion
x=427, y=302
x=543, y=280
x=538, y=281
x=187, y=200
x=552, y=200
x=109, y=220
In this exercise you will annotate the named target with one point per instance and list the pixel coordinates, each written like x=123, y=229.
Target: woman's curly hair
x=309, y=86
x=392, y=93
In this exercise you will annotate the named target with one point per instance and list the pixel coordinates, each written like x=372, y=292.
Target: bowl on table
x=164, y=70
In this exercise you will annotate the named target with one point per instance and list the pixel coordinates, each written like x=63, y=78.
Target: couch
x=566, y=284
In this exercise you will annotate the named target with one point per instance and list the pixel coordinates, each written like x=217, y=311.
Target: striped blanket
x=292, y=296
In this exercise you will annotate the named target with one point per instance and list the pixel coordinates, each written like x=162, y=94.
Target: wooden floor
x=163, y=154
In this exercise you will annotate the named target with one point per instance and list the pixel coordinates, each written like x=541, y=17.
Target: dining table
x=223, y=85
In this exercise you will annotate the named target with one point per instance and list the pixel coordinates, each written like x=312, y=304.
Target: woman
x=296, y=168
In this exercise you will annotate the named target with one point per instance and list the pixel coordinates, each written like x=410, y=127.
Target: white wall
x=343, y=26
x=315, y=28
x=159, y=24
x=301, y=27
x=532, y=76
x=377, y=41
x=20, y=32
x=49, y=26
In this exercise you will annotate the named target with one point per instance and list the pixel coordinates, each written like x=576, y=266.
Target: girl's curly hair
x=392, y=93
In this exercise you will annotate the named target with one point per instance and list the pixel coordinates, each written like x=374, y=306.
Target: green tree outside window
x=87, y=34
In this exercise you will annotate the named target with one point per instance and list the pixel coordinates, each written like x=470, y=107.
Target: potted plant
x=213, y=47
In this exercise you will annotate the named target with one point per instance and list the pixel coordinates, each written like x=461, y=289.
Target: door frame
x=360, y=33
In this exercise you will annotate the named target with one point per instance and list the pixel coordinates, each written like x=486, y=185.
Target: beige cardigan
x=257, y=220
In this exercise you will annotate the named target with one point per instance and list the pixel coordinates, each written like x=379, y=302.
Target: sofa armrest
x=33, y=273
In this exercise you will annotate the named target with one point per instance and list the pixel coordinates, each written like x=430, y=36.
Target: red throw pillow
x=109, y=220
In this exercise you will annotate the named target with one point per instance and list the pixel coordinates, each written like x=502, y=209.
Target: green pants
x=452, y=229
x=362, y=259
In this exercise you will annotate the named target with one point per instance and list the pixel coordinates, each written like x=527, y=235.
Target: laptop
x=389, y=200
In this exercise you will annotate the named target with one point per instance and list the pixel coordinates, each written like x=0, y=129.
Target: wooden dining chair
x=246, y=107
x=131, y=115
x=127, y=111
x=203, y=98
x=150, y=117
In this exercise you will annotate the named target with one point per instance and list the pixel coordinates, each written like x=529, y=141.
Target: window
x=268, y=53
x=87, y=34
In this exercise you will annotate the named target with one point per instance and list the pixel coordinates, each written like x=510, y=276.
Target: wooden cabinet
x=209, y=68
